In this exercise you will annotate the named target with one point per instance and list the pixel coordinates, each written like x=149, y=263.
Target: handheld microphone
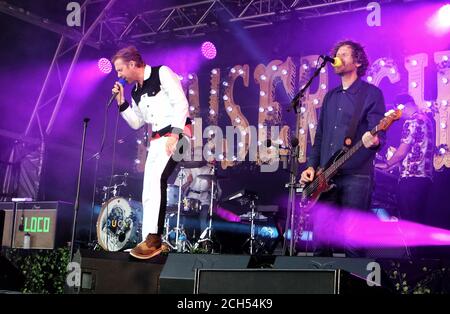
x=123, y=82
x=335, y=62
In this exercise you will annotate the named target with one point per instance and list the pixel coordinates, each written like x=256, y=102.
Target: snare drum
x=119, y=224
x=191, y=205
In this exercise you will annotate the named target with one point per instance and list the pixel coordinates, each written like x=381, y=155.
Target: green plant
x=44, y=271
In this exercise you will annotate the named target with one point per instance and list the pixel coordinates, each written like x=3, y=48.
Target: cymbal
x=192, y=164
x=211, y=177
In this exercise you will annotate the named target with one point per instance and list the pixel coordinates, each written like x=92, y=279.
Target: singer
x=353, y=102
x=157, y=99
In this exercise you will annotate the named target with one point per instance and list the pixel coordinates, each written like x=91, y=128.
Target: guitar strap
x=348, y=140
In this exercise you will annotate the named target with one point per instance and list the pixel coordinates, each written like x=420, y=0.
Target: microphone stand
x=294, y=187
x=77, y=199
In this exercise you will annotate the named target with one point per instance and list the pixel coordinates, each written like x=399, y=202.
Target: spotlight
x=444, y=16
x=104, y=65
x=209, y=50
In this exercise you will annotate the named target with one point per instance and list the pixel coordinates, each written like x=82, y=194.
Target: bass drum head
x=119, y=224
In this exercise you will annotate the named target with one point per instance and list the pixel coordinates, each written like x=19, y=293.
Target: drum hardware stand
x=252, y=226
x=180, y=245
x=184, y=245
x=208, y=230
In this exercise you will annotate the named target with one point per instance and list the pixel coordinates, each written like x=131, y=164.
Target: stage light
x=284, y=72
x=262, y=93
x=209, y=50
x=104, y=65
x=261, y=109
x=212, y=112
x=444, y=16
x=229, y=108
x=225, y=97
x=237, y=120
x=191, y=108
x=213, y=92
x=214, y=71
x=274, y=68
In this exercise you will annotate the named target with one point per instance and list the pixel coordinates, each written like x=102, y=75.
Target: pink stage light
x=439, y=23
x=444, y=16
x=104, y=65
x=209, y=50
x=359, y=229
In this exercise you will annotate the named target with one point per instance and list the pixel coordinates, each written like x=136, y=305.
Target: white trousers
x=157, y=160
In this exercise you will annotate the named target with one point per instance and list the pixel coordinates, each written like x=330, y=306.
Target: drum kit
x=176, y=206
x=119, y=224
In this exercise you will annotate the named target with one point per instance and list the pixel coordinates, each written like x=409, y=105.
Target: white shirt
x=159, y=106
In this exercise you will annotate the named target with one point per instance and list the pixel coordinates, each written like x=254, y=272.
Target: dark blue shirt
x=335, y=116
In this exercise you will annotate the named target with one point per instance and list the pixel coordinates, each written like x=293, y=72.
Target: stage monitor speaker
x=11, y=277
x=356, y=266
x=117, y=272
x=178, y=273
x=275, y=281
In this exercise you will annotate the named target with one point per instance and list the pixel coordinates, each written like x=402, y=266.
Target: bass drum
x=119, y=224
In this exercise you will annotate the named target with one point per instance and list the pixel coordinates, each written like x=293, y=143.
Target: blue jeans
x=350, y=192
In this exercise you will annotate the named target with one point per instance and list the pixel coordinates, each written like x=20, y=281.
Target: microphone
x=335, y=62
x=123, y=82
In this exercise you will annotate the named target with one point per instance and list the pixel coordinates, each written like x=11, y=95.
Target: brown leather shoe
x=148, y=248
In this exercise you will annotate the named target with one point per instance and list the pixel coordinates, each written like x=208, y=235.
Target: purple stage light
x=358, y=229
x=104, y=65
x=439, y=22
x=444, y=16
x=209, y=50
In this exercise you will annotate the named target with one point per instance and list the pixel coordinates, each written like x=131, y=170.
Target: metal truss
x=29, y=148
x=198, y=18
x=120, y=24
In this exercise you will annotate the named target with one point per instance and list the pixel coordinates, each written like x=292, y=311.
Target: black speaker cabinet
x=178, y=273
x=277, y=281
x=356, y=266
x=117, y=272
